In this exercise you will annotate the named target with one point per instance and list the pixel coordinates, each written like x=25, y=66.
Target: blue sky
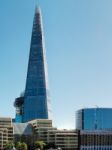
x=78, y=36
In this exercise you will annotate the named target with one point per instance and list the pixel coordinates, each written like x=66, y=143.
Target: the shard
x=35, y=104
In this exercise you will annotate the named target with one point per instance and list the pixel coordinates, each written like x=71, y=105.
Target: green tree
x=39, y=145
x=18, y=145
x=9, y=145
x=24, y=146
x=21, y=146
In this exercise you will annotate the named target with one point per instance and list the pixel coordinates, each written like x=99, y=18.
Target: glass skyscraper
x=94, y=119
x=36, y=103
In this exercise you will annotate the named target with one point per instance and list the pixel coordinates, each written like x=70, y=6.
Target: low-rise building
x=3, y=137
x=95, y=140
x=41, y=128
x=65, y=139
x=6, y=131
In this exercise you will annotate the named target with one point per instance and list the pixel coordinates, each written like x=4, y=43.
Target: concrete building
x=6, y=131
x=95, y=140
x=41, y=128
x=38, y=129
x=65, y=139
x=94, y=119
x=3, y=137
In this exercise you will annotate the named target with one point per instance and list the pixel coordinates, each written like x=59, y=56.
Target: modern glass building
x=94, y=119
x=36, y=103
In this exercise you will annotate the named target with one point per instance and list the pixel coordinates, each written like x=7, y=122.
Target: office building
x=94, y=119
x=44, y=131
x=95, y=140
x=3, y=138
x=41, y=128
x=6, y=131
x=65, y=139
x=35, y=102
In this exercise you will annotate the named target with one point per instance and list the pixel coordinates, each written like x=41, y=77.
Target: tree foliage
x=18, y=145
x=39, y=145
x=24, y=146
x=9, y=145
x=21, y=146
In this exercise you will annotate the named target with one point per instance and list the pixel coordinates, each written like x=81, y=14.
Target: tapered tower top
x=37, y=9
x=36, y=101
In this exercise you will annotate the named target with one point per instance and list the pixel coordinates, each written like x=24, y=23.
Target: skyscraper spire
x=36, y=97
x=37, y=9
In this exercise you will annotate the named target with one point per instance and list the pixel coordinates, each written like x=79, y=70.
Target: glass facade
x=94, y=119
x=36, y=103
